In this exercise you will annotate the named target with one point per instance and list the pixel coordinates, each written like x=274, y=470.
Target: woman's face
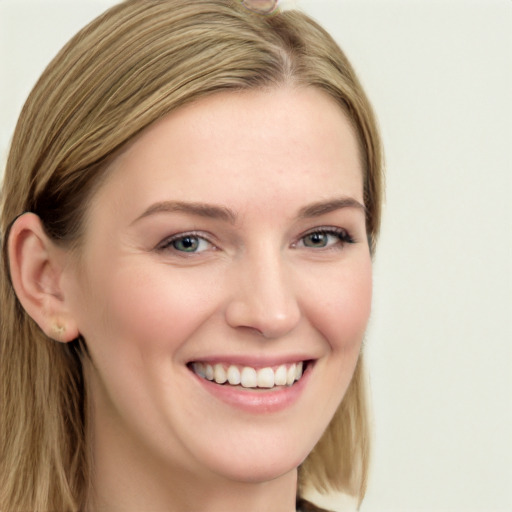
x=228, y=241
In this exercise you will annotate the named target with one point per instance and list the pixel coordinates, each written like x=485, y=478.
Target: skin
x=256, y=289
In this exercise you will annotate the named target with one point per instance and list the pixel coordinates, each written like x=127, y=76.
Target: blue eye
x=187, y=243
x=324, y=238
x=316, y=240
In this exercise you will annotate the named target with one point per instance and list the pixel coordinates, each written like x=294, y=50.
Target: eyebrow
x=200, y=209
x=323, y=207
x=223, y=213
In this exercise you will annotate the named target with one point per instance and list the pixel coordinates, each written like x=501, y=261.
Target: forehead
x=242, y=146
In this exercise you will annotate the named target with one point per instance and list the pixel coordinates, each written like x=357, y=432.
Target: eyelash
x=168, y=242
x=343, y=236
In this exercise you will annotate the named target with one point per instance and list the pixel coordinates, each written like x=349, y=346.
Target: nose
x=263, y=298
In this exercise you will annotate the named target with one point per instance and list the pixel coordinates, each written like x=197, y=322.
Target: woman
x=190, y=206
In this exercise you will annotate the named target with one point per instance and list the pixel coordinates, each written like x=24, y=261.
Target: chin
x=259, y=472
x=262, y=462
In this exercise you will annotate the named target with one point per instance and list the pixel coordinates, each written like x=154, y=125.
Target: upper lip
x=252, y=361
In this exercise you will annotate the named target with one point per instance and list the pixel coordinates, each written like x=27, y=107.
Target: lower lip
x=260, y=401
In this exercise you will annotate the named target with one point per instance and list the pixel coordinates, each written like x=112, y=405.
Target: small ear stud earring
x=261, y=6
x=58, y=331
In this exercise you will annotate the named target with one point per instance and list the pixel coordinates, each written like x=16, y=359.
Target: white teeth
x=199, y=369
x=290, y=375
x=208, y=370
x=219, y=374
x=248, y=377
x=298, y=371
x=280, y=376
x=234, y=377
x=265, y=378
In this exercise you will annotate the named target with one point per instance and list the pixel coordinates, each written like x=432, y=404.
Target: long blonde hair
x=129, y=67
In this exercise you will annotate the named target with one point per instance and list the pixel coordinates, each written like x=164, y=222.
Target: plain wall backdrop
x=439, y=74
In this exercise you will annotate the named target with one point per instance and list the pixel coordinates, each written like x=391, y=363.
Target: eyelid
x=168, y=241
x=343, y=234
x=326, y=229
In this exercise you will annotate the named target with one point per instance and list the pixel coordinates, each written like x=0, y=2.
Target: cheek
x=137, y=322
x=341, y=307
x=149, y=311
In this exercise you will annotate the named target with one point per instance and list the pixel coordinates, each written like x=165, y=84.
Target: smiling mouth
x=248, y=377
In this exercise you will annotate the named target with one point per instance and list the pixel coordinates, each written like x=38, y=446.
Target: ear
x=36, y=265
